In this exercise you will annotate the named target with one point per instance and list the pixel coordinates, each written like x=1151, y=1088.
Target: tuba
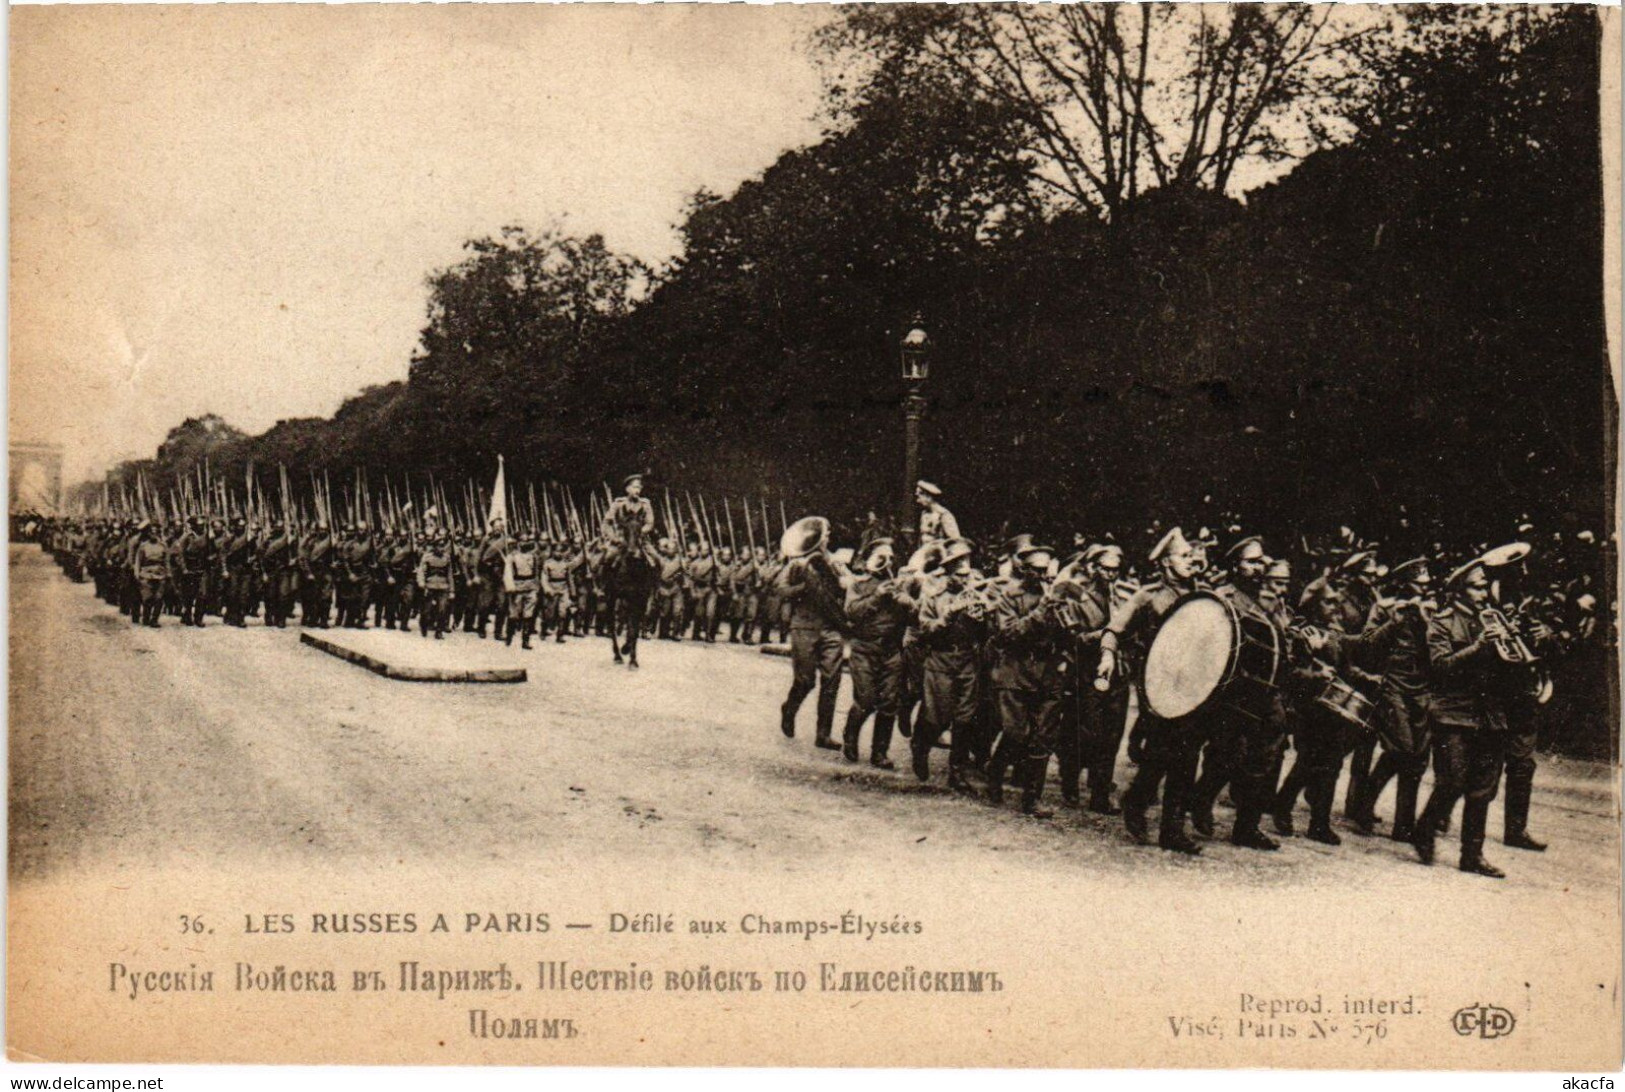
x=807, y=535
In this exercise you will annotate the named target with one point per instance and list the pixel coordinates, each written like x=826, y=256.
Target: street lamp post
x=914, y=351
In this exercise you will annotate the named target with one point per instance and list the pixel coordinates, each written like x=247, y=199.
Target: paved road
x=189, y=747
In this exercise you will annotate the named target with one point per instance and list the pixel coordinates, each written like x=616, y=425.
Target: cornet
x=1506, y=636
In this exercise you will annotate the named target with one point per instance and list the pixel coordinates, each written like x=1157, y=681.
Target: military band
x=1382, y=672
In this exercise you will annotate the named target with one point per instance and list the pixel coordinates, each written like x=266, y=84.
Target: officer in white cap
x=937, y=524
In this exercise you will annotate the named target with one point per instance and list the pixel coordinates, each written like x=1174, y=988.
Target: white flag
x=499, y=498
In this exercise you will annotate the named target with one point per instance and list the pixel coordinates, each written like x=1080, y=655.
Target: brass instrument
x=978, y=598
x=1506, y=634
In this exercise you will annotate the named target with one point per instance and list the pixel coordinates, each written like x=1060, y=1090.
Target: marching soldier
x=355, y=556
x=402, y=567
x=741, y=580
x=668, y=610
x=559, y=590
x=468, y=594
x=279, y=562
x=149, y=566
x=1395, y=636
x=192, y=558
x=522, y=582
x=1469, y=718
x=492, y=554
x=316, y=576
x=585, y=579
x=817, y=628
x=1167, y=750
x=772, y=611
x=1026, y=677
x=702, y=593
x=723, y=612
x=1234, y=743
x=436, y=579
x=878, y=611
x=238, y=561
x=1093, y=734
x=951, y=633
x=1318, y=734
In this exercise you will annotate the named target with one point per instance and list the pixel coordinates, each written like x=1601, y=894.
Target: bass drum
x=1205, y=651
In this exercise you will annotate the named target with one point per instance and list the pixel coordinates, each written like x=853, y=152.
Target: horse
x=629, y=579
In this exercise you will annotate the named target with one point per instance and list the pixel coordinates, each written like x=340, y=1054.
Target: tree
x=1112, y=99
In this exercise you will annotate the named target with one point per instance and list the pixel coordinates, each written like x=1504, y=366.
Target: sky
x=232, y=209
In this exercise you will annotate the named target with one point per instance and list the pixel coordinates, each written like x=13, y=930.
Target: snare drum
x=1204, y=651
x=1347, y=702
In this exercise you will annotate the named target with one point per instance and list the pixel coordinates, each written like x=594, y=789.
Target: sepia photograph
x=866, y=535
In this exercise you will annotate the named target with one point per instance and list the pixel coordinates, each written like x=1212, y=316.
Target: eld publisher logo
x=1485, y=1021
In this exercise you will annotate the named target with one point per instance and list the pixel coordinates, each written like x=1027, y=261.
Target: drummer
x=1242, y=746
x=1394, y=642
x=1320, y=736
x=1165, y=749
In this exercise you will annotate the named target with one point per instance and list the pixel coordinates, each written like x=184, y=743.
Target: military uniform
x=355, y=560
x=1395, y=639
x=702, y=596
x=492, y=553
x=522, y=582
x=950, y=639
x=1470, y=730
x=1167, y=750
x=279, y=562
x=149, y=562
x=668, y=613
x=817, y=629
x=191, y=559
x=878, y=614
x=1026, y=679
x=316, y=578
x=239, y=562
x=1243, y=750
x=559, y=592
x=1092, y=724
x=468, y=594
x=436, y=579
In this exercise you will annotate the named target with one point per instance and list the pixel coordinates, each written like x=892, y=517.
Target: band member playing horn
x=1167, y=750
x=951, y=632
x=1522, y=703
x=879, y=609
x=1469, y=716
x=811, y=585
x=920, y=572
x=1026, y=677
